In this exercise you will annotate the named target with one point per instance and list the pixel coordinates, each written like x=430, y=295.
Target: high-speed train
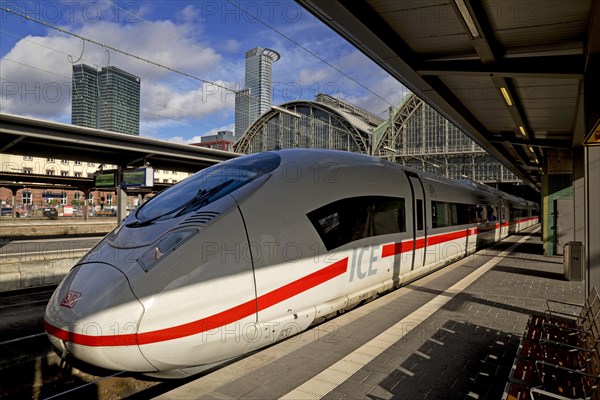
x=258, y=248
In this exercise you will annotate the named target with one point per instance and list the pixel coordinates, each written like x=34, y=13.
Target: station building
x=32, y=197
x=414, y=135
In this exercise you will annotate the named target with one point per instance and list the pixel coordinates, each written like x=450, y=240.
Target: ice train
x=258, y=248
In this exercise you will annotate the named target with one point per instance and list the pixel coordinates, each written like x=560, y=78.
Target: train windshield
x=205, y=186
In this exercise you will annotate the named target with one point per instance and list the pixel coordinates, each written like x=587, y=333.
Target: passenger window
x=355, y=218
x=451, y=214
x=419, y=214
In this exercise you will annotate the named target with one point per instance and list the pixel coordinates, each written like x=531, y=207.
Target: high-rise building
x=257, y=89
x=242, y=111
x=85, y=93
x=108, y=99
x=119, y=101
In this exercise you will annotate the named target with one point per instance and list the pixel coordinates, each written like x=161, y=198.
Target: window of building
x=91, y=198
x=49, y=172
x=28, y=170
x=27, y=158
x=64, y=162
x=77, y=196
x=355, y=218
x=64, y=173
x=109, y=199
x=90, y=175
x=27, y=197
x=77, y=174
x=63, y=199
x=77, y=162
x=50, y=160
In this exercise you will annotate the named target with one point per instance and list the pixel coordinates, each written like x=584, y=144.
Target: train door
x=504, y=218
x=418, y=219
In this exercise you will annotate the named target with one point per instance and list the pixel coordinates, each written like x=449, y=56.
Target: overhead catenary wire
x=116, y=50
x=284, y=36
x=208, y=98
x=68, y=78
x=126, y=53
x=308, y=51
x=174, y=70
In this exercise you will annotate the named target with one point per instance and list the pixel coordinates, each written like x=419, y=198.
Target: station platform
x=450, y=335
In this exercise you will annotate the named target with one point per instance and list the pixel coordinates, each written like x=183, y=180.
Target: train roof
x=297, y=154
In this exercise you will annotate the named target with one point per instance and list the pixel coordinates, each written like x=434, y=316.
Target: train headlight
x=166, y=245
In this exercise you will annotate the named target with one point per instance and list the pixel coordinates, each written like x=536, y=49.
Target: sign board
x=593, y=137
x=138, y=178
x=52, y=195
x=105, y=179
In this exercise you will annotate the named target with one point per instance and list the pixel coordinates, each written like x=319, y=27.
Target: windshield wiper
x=196, y=201
x=201, y=198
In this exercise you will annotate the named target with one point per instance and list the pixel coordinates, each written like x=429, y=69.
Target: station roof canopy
x=37, y=138
x=509, y=73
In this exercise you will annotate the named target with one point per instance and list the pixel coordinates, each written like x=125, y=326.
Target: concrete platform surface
x=12, y=228
x=450, y=335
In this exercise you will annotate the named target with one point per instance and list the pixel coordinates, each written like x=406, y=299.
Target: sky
x=200, y=47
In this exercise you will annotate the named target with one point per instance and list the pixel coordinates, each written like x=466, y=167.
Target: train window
x=492, y=214
x=204, y=187
x=475, y=214
x=355, y=218
x=450, y=214
x=419, y=214
x=517, y=213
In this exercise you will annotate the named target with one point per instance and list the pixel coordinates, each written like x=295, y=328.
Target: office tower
x=242, y=111
x=84, y=96
x=108, y=99
x=119, y=101
x=257, y=89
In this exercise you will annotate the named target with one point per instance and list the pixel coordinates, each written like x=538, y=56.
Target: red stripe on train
x=211, y=322
x=402, y=247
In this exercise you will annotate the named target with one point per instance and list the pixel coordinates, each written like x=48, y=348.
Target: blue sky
x=206, y=39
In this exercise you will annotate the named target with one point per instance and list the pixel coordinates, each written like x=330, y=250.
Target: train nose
x=94, y=315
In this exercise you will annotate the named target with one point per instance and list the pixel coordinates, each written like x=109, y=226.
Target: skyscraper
x=242, y=111
x=84, y=96
x=108, y=99
x=255, y=99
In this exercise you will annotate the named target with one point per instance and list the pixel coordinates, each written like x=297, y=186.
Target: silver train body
x=253, y=250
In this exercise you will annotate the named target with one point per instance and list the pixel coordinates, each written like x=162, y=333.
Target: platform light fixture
x=531, y=149
x=522, y=130
x=466, y=15
x=506, y=96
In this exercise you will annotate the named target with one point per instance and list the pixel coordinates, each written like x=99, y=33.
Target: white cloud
x=308, y=76
x=36, y=72
x=231, y=46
